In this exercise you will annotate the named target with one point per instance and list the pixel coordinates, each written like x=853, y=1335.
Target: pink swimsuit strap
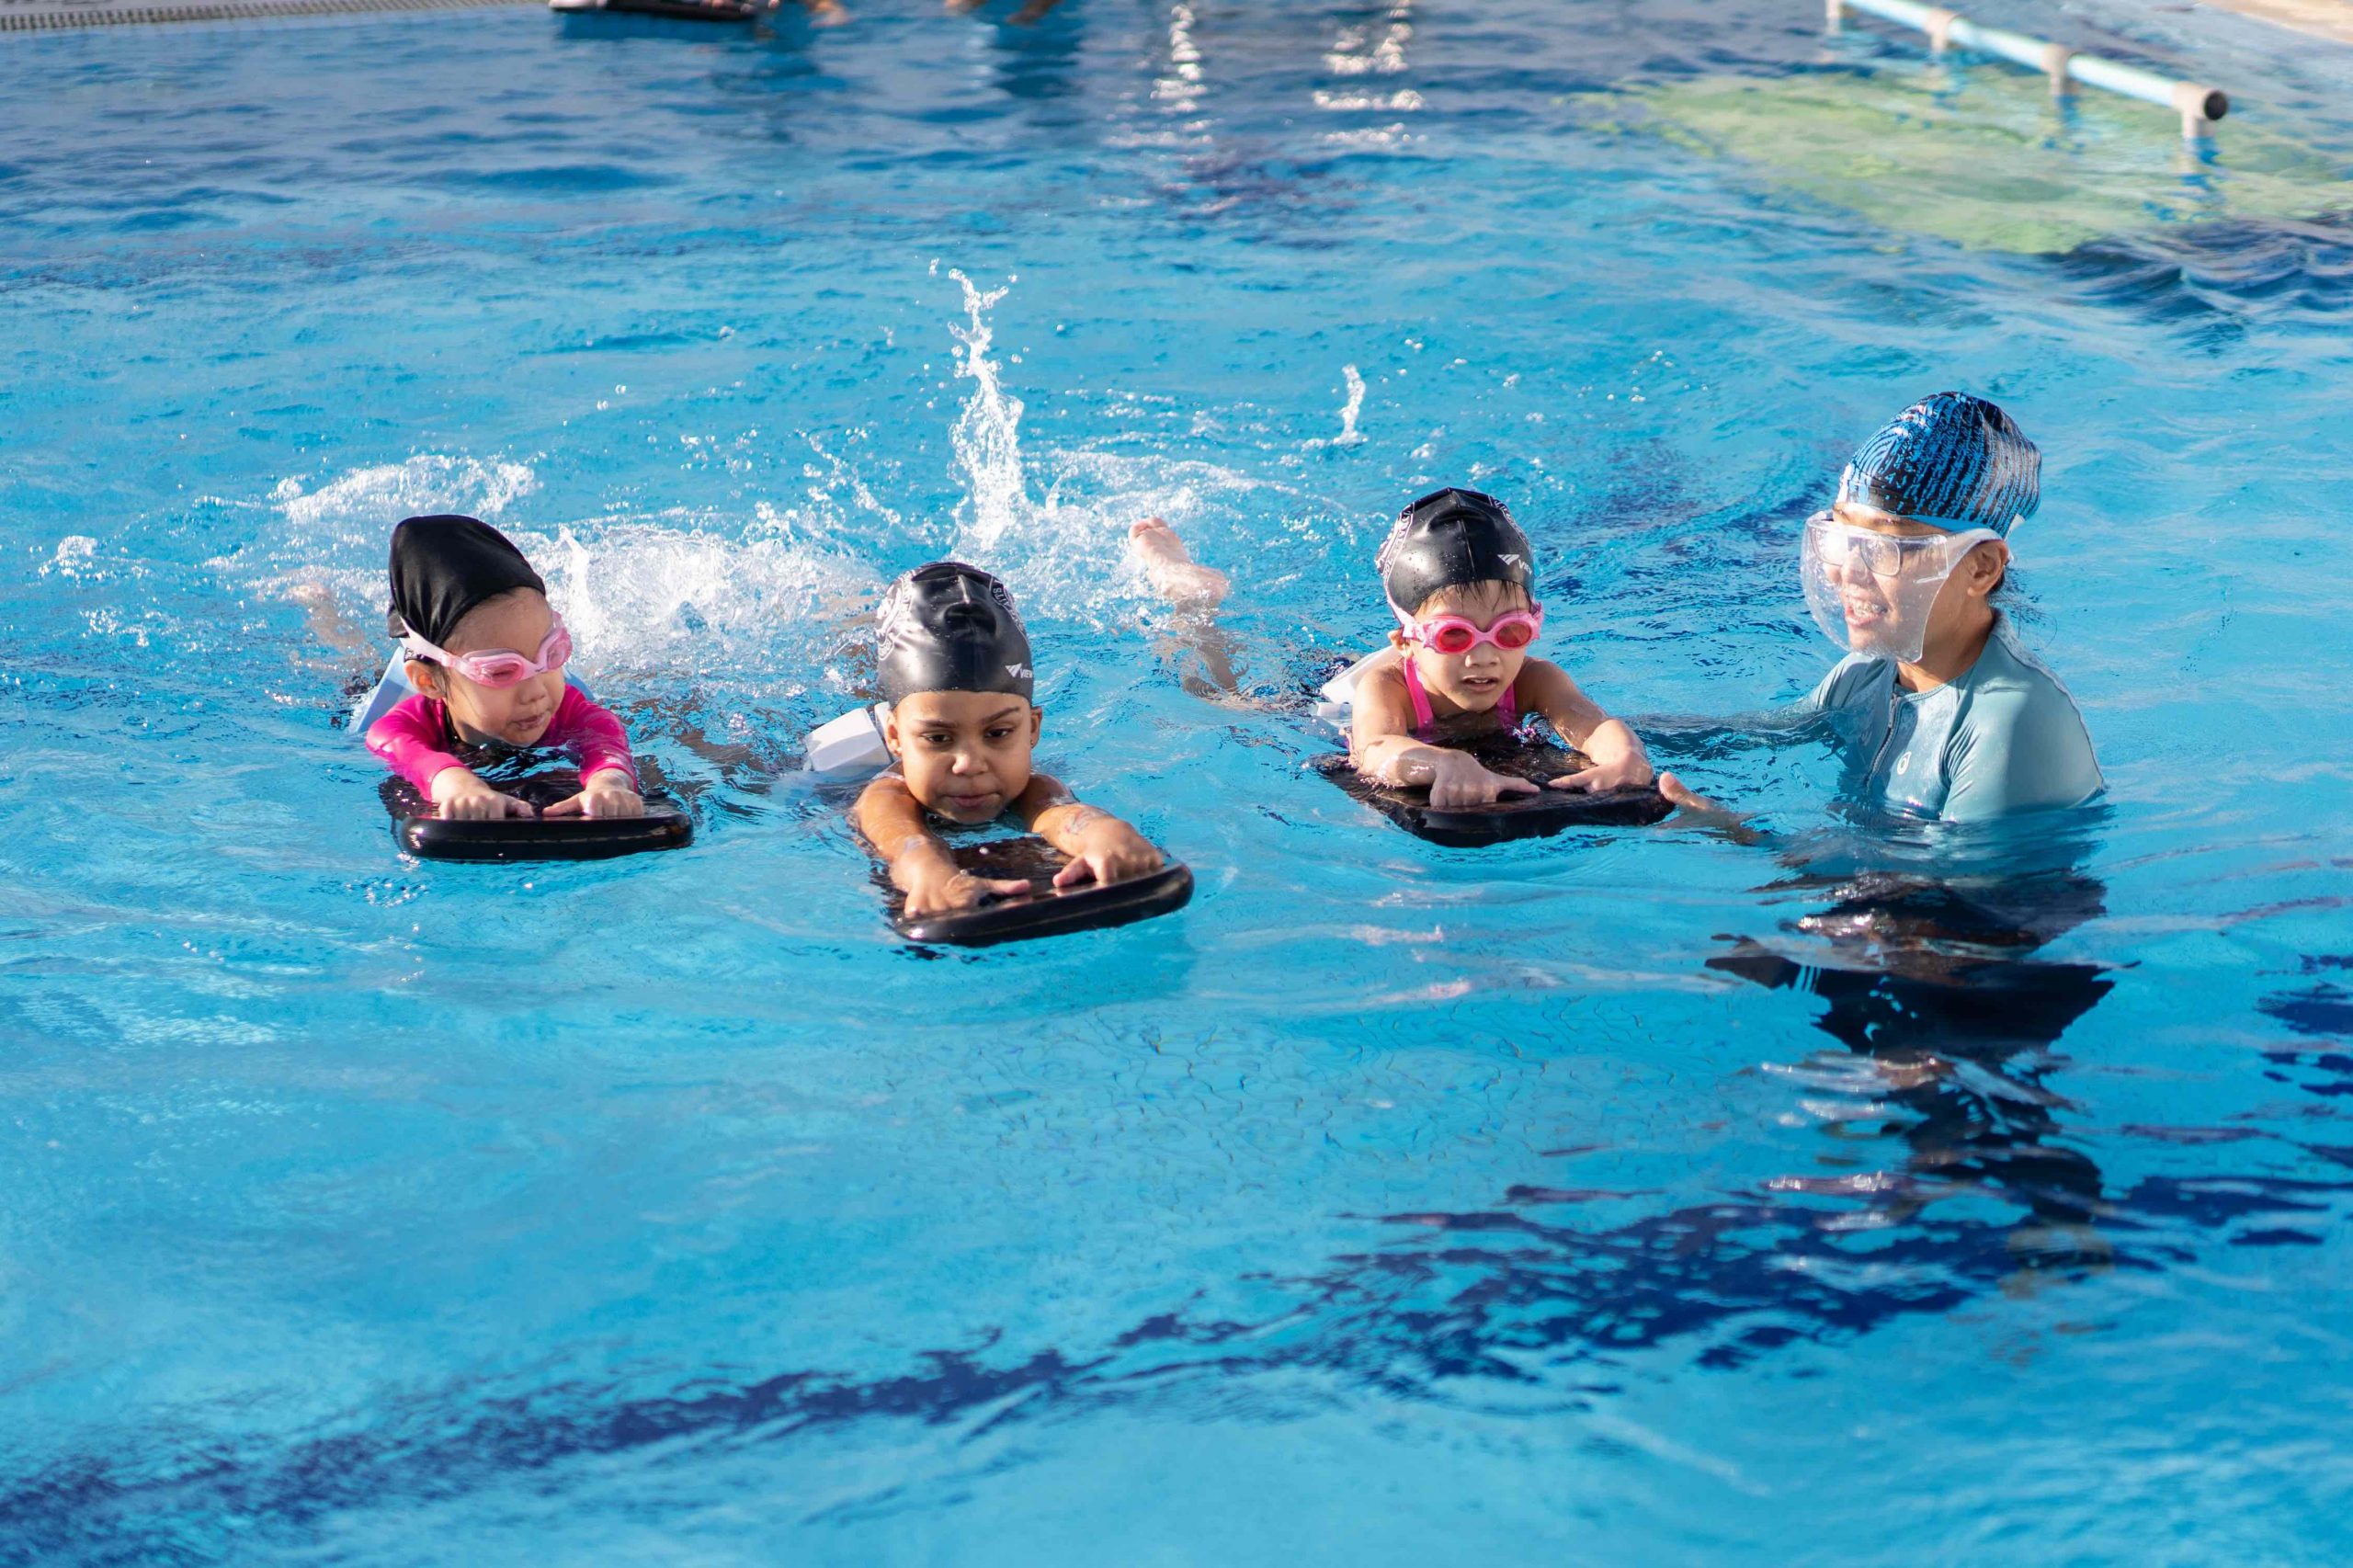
x=1507, y=709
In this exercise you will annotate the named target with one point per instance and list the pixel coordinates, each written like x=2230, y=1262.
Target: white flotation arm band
x=1339, y=692
x=394, y=689
x=850, y=745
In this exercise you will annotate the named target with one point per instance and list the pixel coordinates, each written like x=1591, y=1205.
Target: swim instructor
x=1943, y=713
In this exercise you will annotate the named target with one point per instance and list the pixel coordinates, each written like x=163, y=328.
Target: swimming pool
x=1622, y=1198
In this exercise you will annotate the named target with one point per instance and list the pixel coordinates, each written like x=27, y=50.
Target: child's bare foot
x=324, y=614
x=826, y=13
x=1181, y=580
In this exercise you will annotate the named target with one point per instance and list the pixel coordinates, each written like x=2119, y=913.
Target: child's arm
x=1099, y=845
x=409, y=739
x=890, y=819
x=608, y=785
x=1616, y=752
x=1381, y=744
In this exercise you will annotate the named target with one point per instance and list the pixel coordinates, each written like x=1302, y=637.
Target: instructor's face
x=1881, y=592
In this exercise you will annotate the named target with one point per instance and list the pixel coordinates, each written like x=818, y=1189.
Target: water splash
x=360, y=501
x=763, y=617
x=1064, y=551
x=332, y=539
x=753, y=611
x=987, y=437
x=1055, y=557
x=1355, y=405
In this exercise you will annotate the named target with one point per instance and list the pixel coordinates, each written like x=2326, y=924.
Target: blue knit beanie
x=1952, y=460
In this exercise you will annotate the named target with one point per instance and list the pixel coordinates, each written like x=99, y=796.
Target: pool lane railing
x=43, y=15
x=2200, y=106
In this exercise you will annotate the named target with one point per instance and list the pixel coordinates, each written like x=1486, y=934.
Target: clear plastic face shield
x=1870, y=592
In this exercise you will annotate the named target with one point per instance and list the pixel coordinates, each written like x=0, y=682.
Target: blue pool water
x=1637, y=1197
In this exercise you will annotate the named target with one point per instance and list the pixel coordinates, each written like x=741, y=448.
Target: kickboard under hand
x=431, y=837
x=1045, y=910
x=675, y=10
x=1515, y=816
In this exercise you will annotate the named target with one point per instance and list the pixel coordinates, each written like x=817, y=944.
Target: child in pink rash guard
x=487, y=653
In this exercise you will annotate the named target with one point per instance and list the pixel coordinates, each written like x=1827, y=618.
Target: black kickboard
x=1045, y=910
x=1520, y=816
x=430, y=837
x=677, y=10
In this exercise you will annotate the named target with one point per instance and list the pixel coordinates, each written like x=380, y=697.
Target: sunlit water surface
x=1633, y=1197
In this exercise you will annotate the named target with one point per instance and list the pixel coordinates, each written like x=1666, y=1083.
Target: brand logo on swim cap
x=1004, y=600
x=1018, y=671
x=891, y=625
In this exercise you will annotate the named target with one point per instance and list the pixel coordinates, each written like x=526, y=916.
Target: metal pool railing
x=42, y=16
x=2200, y=106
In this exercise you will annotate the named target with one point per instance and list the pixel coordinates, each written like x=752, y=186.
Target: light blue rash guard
x=2004, y=737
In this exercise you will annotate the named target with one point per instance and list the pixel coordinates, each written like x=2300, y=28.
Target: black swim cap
x=443, y=567
x=949, y=627
x=1449, y=537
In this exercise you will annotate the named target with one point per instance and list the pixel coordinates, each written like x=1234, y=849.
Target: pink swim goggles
x=1456, y=635
x=497, y=667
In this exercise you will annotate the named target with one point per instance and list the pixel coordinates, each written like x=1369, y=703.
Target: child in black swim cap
x=1459, y=577
x=487, y=653
x=955, y=669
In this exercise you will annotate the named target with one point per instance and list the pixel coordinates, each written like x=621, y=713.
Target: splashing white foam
x=354, y=505
x=762, y=615
x=332, y=536
x=757, y=609
x=1354, y=406
x=74, y=553
x=1064, y=552
x=987, y=437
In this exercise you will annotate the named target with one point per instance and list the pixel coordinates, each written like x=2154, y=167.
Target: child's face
x=964, y=754
x=1477, y=680
x=516, y=714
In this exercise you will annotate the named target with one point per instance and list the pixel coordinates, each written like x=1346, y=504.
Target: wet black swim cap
x=949, y=627
x=1449, y=537
x=443, y=567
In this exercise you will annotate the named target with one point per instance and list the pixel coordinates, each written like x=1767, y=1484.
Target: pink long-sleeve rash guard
x=413, y=738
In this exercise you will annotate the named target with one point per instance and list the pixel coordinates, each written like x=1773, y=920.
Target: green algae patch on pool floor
x=1985, y=158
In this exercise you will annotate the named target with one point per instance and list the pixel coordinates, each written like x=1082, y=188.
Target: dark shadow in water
x=1035, y=61
x=1938, y=1002
x=2323, y=1013
x=2200, y=273
x=1936, y=986
x=1477, y=1307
